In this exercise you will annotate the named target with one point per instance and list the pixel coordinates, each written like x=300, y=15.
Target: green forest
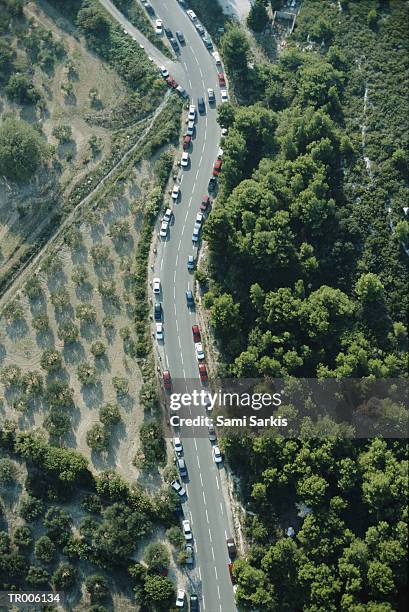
x=307, y=277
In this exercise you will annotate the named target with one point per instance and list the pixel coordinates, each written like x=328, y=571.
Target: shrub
x=52, y=264
x=32, y=383
x=37, y=576
x=44, y=549
x=109, y=414
x=22, y=537
x=85, y=312
x=21, y=89
x=125, y=333
x=58, y=394
x=68, y=332
x=98, y=348
x=97, y=438
x=20, y=403
x=57, y=423
x=8, y=471
x=40, y=322
x=91, y=503
x=64, y=577
x=31, y=508
x=108, y=322
x=51, y=360
x=11, y=376
x=121, y=385
x=58, y=523
x=79, y=275
x=13, y=311
x=157, y=557
x=60, y=298
x=21, y=150
x=62, y=133
x=119, y=229
x=32, y=288
x=73, y=238
x=97, y=587
x=107, y=288
x=176, y=537
x=100, y=253
x=86, y=373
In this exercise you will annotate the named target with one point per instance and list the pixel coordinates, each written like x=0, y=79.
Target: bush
x=91, y=503
x=86, y=312
x=121, y=385
x=37, y=576
x=62, y=133
x=64, y=577
x=57, y=423
x=98, y=348
x=22, y=537
x=58, y=394
x=21, y=89
x=86, y=373
x=11, y=376
x=32, y=383
x=109, y=414
x=58, y=523
x=119, y=229
x=176, y=537
x=79, y=275
x=107, y=288
x=32, y=288
x=68, y=332
x=97, y=438
x=97, y=587
x=44, y=549
x=156, y=557
x=21, y=150
x=60, y=299
x=8, y=471
x=13, y=311
x=31, y=508
x=40, y=322
x=51, y=360
x=100, y=253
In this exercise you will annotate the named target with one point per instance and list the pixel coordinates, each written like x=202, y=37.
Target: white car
x=224, y=96
x=200, y=28
x=190, y=128
x=159, y=26
x=191, y=15
x=217, y=58
x=180, y=598
x=224, y=132
x=180, y=489
x=159, y=331
x=184, y=162
x=175, y=193
x=220, y=153
x=199, y=351
x=217, y=456
x=156, y=286
x=195, y=235
x=199, y=219
x=187, y=532
x=177, y=445
x=210, y=95
x=164, y=71
x=163, y=232
x=168, y=215
x=192, y=113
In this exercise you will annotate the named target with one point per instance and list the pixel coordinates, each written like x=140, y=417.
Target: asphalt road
x=205, y=505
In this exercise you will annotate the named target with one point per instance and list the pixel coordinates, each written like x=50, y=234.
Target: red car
x=205, y=204
x=202, y=372
x=171, y=82
x=230, y=566
x=222, y=80
x=217, y=167
x=167, y=381
x=186, y=142
x=196, y=333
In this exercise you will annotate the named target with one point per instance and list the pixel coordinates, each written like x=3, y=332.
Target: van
x=201, y=105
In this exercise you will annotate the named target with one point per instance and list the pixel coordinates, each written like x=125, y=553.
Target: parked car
x=171, y=82
x=199, y=351
x=224, y=96
x=212, y=433
x=189, y=298
x=178, y=446
x=163, y=232
x=164, y=72
x=167, y=381
x=195, y=234
x=212, y=184
x=217, y=166
x=179, y=488
x=207, y=41
x=200, y=28
x=191, y=263
x=187, y=532
x=211, y=97
x=190, y=555
x=231, y=548
x=192, y=113
x=205, y=203
x=159, y=27
x=202, y=372
x=201, y=105
x=180, y=36
x=196, y=333
x=217, y=455
x=186, y=142
x=217, y=58
x=175, y=193
x=180, y=598
x=190, y=128
x=148, y=7
x=191, y=15
x=199, y=219
x=174, y=44
x=157, y=311
x=159, y=331
x=180, y=462
x=222, y=80
x=156, y=286
x=167, y=215
x=168, y=32
x=194, y=603
x=184, y=162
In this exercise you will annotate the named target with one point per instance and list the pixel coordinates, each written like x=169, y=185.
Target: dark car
x=196, y=333
x=157, y=311
x=168, y=33
x=212, y=183
x=171, y=82
x=180, y=36
x=186, y=142
x=189, y=298
x=174, y=44
x=167, y=381
x=205, y=203
x=149, y=8
x=194, y=602
x=231, y=548
x=217, y=166
x=201, y=105
x=222, y=80
x=202, y=372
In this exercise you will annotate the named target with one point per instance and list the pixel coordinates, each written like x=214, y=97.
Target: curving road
x=205, y=505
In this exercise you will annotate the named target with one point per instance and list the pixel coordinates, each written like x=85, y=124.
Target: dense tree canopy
x=21, y=149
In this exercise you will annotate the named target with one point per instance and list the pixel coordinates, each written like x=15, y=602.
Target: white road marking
x=195, y=443
x=218, y=593
x=174, y=276
x=197, y=174
x=177, y=326
x=198, y=462
x=201, y=479
x=161, y=263
x=184, y=373
x=190, y=84
x=174, y=292
x=201, y=159
x=181, y=179
x=204, y=498
x=221, y=508
x=177, y=258
x=225, y=534
x=200, y=572
x=210, y=536
x=217, y=482
x=207, y=516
